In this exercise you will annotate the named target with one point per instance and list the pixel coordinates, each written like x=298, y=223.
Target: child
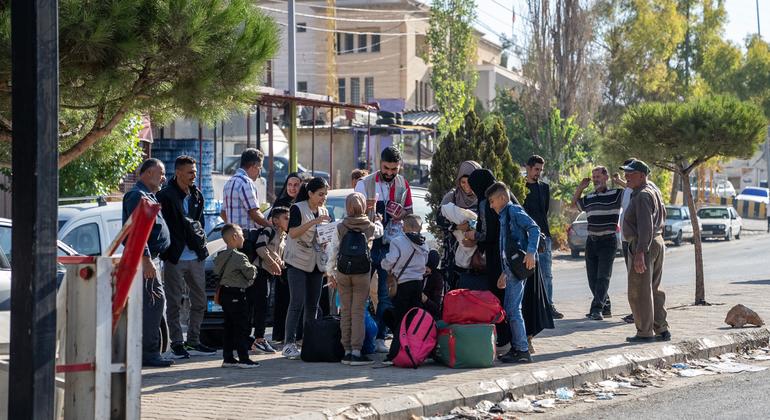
x=460, y=216
x=516, y=226
x=356, y=175
x=349, y=269
x=406, y=259
x=269, y=247
x=433, y=291
x=236, y=274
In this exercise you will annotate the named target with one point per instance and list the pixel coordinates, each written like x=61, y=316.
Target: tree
x=100, y=170
x=482, y=141
x=165, y=58
x=452, y=51
x=679, y=137
x=511, y=113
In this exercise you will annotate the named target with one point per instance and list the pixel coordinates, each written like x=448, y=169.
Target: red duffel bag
x=463, y=306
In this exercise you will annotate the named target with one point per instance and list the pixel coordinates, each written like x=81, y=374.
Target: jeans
x=384, y=302
x=236, y=334
x=176, y=276
x=408, y=296
x=600, y=255
x=305, y=289
x=514, y=293
x=545, y=261
x=256, y=295
x=154, y=302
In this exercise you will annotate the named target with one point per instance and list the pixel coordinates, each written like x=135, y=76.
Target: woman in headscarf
x=463, y=197
x=290, y=190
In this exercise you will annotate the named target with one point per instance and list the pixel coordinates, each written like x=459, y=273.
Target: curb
x=442, y=400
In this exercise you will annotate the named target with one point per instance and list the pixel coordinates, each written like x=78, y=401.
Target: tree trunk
x=676, y=184
x=700, y=291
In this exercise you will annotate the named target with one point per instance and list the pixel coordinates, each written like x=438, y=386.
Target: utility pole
x=759, y=30
x=292, y=87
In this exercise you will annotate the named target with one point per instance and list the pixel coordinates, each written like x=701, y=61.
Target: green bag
x=463, y=346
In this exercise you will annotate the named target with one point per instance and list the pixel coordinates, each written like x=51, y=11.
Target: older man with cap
x=643, y=228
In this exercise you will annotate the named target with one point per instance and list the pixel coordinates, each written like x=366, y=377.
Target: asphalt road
x=731, y=396
x=724, y=262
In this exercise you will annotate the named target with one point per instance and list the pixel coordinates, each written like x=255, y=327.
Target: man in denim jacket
x=515, y=225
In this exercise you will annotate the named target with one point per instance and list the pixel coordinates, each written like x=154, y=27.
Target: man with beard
x=388, y=196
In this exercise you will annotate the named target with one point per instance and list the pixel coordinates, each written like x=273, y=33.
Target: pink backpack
x=417, y=339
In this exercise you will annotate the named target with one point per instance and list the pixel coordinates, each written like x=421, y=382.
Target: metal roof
x=424, y=118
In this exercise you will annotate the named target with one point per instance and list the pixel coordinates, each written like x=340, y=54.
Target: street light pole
x=292, y=87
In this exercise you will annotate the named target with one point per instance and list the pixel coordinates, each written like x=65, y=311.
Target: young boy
x=517, y=226
x=406, y=259
x=236, y=274
x=269, y=246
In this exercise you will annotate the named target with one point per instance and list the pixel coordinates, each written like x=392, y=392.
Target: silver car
x=678, y=225
x=577, y=234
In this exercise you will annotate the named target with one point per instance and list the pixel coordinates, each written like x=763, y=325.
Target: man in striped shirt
x=603, y=207
x=240, y=205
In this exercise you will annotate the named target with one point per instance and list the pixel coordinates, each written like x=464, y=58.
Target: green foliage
x=511, y=113
x=482, y=141
x=100, y=170
x=559, y=142
x=165, y=58
x=452, y=51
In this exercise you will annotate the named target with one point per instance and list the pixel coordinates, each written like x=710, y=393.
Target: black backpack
x=353, y=257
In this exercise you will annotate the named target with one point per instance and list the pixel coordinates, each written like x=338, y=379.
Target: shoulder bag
x=393, y=280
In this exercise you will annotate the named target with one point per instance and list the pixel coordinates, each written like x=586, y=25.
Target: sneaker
x=381, y=347
x=387, y=362
x=291, y=352
x=263, y=347
x=178, y=351
x=595, y=316
x=199, y=349
x=515, y=356
x=230, y=363
x=556, y=314
x=607, y=313
x=360, y=360
x=247, y=364
x=158, y=363
x=346, y=360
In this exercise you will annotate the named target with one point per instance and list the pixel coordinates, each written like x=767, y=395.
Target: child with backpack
x=236, y=274
x=406, y=260
x=433, y=290
x=348, y=269
x=269, y=245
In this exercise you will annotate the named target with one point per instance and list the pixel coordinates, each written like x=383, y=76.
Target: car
x=756, y=194
x=678, y=225
x=577, y=234
x=722, y=188
x=720, y=222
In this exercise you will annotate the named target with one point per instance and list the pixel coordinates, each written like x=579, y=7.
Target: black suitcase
x=322, y=341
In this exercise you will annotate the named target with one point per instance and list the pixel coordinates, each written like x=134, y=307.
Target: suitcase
x=463, y=346
x=322, y=341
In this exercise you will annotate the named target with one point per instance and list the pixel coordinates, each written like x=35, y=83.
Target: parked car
x=720, y=222
x=756, y=194
x=678, y=227
x=577, y=234
x=722, y=188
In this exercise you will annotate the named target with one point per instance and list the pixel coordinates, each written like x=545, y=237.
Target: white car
x=756, y=194
x=678, y=225
x=90, y=228
x=720, y=222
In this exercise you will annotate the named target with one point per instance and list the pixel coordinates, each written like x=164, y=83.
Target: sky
x=495, y=15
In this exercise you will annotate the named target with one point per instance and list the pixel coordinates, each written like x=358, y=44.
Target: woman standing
x=304, y=257
x=286, y=199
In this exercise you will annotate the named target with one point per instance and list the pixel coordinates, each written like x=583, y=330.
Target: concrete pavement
x=199, y=389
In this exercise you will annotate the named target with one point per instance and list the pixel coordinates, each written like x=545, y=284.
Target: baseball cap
x=636, y=166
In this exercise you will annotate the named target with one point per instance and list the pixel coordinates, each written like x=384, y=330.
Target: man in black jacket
x=182, y=207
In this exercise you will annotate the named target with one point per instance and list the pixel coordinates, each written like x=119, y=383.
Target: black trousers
x=237, y=329
x=408, y=296
x=600, y=255
x=256, y=295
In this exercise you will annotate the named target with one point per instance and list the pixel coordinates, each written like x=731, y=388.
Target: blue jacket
x=516, y=225
x=159, y=239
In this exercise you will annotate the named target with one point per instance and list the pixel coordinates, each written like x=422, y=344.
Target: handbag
x=515, y=257
x=478, y=261
x=393, y=280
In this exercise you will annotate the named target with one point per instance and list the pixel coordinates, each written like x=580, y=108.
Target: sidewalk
x=200, y=389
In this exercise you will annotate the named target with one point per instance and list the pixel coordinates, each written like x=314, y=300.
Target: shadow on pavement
x=754, y=282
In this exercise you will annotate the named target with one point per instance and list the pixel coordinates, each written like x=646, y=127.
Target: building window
x=302, y=87
x=355, y=91
x=302, y=27
x=349, y=47
x=341, y=90
x=369, y=89
x=424, y=95
x=338, y=44
x=361, y=43
x=416, y=94
x=375, y=43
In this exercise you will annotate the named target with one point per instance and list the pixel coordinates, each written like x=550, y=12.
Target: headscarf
x=355, y=204
x=433, y=259
x=480, y=180
x=283, y=199
x=458, y=196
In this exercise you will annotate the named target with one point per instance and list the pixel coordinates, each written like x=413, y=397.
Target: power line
x=353, y=9
x=344, y=19
x=313, y=28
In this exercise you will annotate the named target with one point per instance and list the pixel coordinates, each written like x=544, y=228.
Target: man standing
x=182, y=206
x=536, y=205
x=387, y=195
x=643, y=228
x=240, y=205
x=603, y=207
x=154, y=300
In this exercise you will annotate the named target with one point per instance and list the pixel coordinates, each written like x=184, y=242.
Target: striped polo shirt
x=603, y=210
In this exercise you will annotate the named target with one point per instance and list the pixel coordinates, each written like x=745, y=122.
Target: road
x=722, y=262
x=732, y=396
